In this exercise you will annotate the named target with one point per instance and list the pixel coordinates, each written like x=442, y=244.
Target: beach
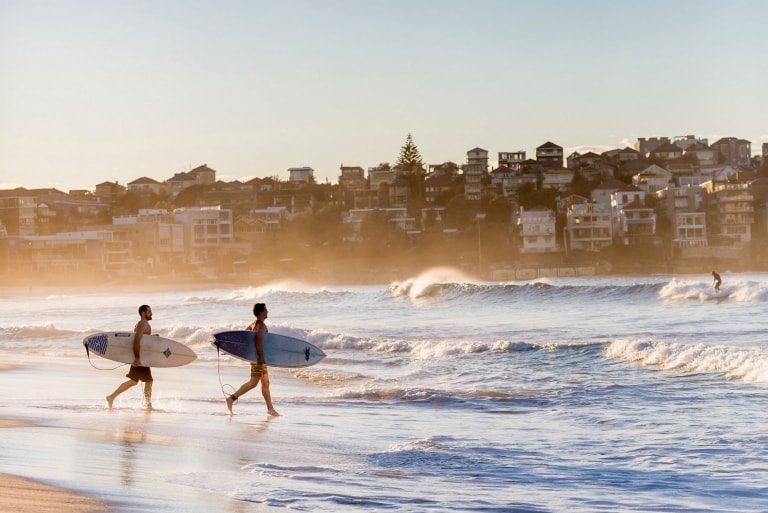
x=26, y=496
x=438, y=394
x=73, y=452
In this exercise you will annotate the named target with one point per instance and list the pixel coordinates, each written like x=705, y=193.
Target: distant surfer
x=259, y=369
x=717, y=281
x=138, y=372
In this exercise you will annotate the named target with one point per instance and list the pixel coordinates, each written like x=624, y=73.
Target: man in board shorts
x=259, y=369
x=137, y=372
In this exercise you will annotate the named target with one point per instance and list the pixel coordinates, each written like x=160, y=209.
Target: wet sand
x=20, y=495
x=23, y=495
x=63, y=450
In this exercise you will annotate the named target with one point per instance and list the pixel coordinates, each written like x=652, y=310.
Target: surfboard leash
x=218, y=370
x=88, y=353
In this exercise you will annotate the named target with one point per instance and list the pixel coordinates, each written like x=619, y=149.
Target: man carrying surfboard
x=138, y=372
x=258, y=369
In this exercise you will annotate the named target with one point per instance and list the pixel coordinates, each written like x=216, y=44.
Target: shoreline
x=72, y=454
x=24, y=495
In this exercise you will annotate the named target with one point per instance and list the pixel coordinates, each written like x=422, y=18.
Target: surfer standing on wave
x=138, y=372
x=717, y=281
x=259, y=369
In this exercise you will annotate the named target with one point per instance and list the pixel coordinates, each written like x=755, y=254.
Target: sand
x=21, y=495
x=62, y=450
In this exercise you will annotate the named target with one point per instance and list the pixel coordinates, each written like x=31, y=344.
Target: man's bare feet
x=273, y=413
x=110, y=399
x=230, y=402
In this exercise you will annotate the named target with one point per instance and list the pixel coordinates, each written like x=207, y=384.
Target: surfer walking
x=137, y=371
x=259, y=372
x=716, y=281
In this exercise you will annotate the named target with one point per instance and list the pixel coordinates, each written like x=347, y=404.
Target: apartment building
x=734, y=151
x=512, y=159
x=18, y=213
x=633, y=221
x=636, y=225
x=537, y=230
x=682, y=207
x=550, y=156
x=588, y=227
x=302, y=174
x=68, y=253
x=380, y=175
x=645, y=145
x=156, y=238
x=730, y=211
x=475, y=174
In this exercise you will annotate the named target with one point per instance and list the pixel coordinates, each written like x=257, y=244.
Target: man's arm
x=260, y=345
x=139, y=333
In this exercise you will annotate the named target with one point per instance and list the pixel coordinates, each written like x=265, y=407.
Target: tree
x=410, y=158
x=132, y=202
x=316, y=229
x=499, y=211
x=763, y=169
x=459, y=213
x=412, y=168
x=188, y=196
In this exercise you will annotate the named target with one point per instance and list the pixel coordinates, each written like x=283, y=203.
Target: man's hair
x=143, y=308
x=258, y=308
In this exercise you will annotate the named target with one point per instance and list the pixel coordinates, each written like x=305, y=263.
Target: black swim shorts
x=140, y=374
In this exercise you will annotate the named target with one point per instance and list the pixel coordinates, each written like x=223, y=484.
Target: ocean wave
x=436, y=396
x=41, y=332
x=743, y=363
x=740, y=291
x=440, y=284
x=264, y=293
x=445, y=283
x=430, y=283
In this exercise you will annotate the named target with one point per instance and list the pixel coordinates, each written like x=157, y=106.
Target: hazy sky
x=101, y=90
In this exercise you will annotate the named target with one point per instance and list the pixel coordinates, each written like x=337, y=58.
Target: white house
x=537, y=229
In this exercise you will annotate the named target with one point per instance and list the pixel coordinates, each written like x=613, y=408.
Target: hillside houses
x=677, y=198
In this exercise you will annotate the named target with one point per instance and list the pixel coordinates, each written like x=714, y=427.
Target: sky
x=107, y=90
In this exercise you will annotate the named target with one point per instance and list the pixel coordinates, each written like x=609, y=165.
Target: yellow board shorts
x=258, y=370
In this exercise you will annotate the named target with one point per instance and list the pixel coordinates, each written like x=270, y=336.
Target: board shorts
x=258, y=370
x=140, y=374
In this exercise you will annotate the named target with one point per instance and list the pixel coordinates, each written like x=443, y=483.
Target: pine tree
x=411, y=168
x=410, y=158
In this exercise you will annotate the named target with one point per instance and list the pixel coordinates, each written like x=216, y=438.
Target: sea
x=439, y=393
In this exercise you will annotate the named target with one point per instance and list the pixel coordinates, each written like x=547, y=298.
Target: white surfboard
x=155, y=351
x=279, y=350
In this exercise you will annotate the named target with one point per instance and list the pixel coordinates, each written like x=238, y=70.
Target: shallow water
x=438, y=394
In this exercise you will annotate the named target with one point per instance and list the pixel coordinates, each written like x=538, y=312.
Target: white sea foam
x=745, y=363
x=734, y=289
x=428, y=283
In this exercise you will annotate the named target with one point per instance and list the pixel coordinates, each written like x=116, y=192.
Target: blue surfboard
x=279, y=350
